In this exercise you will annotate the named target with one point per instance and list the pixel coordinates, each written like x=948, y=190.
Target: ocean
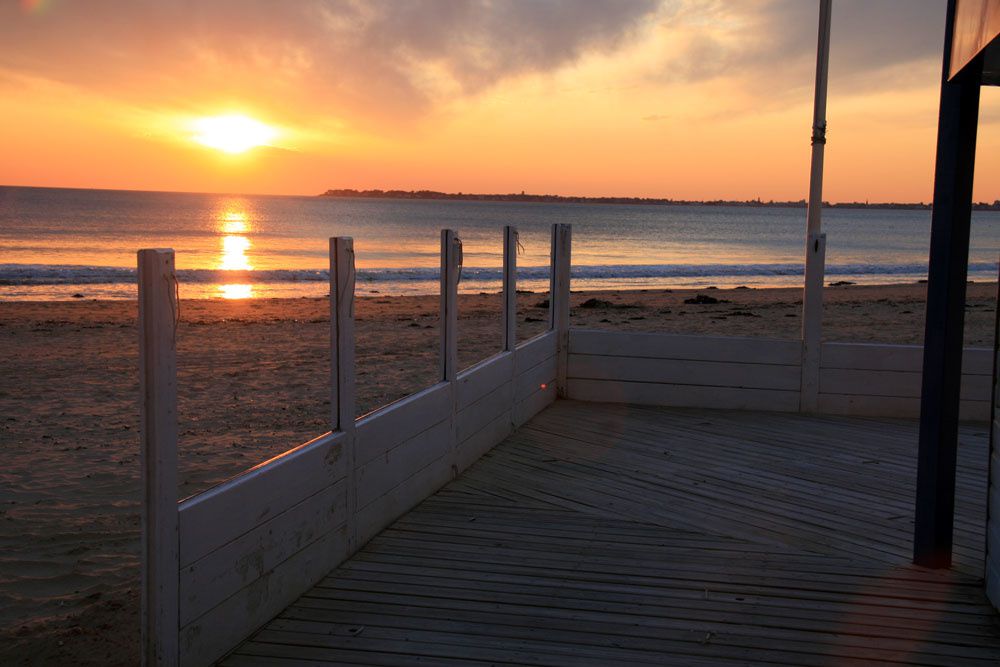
x=60, y=244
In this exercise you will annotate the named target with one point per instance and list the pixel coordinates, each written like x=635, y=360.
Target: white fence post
x=158, y=316
x=559, y=299
x=451, y=263
x=509, y=288
x=342, y=370
x=812, y=323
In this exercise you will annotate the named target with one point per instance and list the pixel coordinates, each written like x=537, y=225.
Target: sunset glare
x=232, y=133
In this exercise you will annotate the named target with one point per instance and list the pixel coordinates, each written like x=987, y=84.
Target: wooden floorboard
x=615, y=535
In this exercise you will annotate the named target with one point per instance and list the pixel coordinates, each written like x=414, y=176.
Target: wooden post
x=509, y=288
x=158, y=313
x=451, y=262
x=342, y=370
x=951, y=216
x=812, y=323
x=559, y=299
x=812, y=297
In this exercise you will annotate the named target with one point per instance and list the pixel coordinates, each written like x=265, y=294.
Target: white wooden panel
x=483, y=411
x=975, y=361
x=893, y=383
x=212, y=635
x=401, y=499
x=220, y=574
x=224, y=512
x=380, y=431
x=483, y=378
x=726, y=398
x=892, y=406
x=535, y=378
x=382, y=474
x=533, y=352
x=682, y=371
x=676, y=346
x=472, y=448
x=525, y=409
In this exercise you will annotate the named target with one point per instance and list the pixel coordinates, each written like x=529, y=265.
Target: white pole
x=509, y=288
x=812, y=299
x=158, y=424
x=562, y=239
x=342, y=368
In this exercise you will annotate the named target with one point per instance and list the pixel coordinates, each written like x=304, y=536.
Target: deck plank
x=612, y=534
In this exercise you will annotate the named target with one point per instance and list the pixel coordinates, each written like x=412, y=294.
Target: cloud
x=365, y=59
x=772, y=43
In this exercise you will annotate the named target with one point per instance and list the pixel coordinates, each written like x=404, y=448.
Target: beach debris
x=741, y=287
x=638, y=317
x=711, y=287
x=533, y=319
x=595, y=303
x=523, y=291
x=841, y=283
x=544, y=303
x=702, y=299
x=666, y=311
x=78, y=296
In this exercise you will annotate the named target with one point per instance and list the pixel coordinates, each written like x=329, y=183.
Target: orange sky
x=679, y=98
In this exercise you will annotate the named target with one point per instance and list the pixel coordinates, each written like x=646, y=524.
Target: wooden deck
x=612, y=534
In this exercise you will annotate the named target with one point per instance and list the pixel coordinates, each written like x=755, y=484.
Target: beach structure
x=594, y=497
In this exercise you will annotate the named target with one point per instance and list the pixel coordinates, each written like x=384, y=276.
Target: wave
x=52, y=274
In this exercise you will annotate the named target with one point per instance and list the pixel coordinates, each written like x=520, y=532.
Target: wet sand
x=253, y=379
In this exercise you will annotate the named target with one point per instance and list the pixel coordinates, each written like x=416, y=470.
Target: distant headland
x=644, y=201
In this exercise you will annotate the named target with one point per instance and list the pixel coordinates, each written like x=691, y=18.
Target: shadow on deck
x=613, y=534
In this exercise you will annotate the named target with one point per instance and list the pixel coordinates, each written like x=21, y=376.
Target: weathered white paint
x=251, y=545
x=812, y=319
x=509, y=317
x=683, y=396
x=158, y=313
x=559, y=297
x=682, y=346
x=684, y=372
x=342, y=367
x=211, y=519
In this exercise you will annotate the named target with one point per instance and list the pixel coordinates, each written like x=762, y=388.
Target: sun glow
x=232, y=133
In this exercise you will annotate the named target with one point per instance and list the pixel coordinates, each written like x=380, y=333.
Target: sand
x=253, y=379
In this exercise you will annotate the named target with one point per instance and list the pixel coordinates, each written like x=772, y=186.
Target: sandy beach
x=253, y=379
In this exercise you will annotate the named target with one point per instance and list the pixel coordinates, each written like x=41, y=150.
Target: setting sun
x=232, y=133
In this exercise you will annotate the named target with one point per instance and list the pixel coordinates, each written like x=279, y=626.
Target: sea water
x=65, y=243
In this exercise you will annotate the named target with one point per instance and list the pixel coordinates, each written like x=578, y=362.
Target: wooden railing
x=220, y=564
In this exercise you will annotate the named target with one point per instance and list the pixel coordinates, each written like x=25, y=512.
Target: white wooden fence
x=220, y=564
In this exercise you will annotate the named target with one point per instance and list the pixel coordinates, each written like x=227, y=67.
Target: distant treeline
x=652, y=201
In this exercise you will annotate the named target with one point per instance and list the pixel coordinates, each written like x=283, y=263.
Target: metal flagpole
x=812, y=300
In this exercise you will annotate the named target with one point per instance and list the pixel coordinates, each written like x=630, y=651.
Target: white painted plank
x=532, y=352
x=723, y=398
x=683, y=371
x=893, y=383
x=483, y=411
x=378, y=432
x=483, y=378
x=892, y=406
x=380, y=475
x=534, y=403
x=679, y=346
x=535, y=378
x=158, y=313
x=222, y=573
x=401, y=499
x=473, y=447
x=214, y=634
x=882, y=357
x=224, y=512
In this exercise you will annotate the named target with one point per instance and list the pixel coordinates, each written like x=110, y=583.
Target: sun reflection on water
x=233, y=223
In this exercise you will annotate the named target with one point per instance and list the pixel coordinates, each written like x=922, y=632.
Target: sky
x=688, y=99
